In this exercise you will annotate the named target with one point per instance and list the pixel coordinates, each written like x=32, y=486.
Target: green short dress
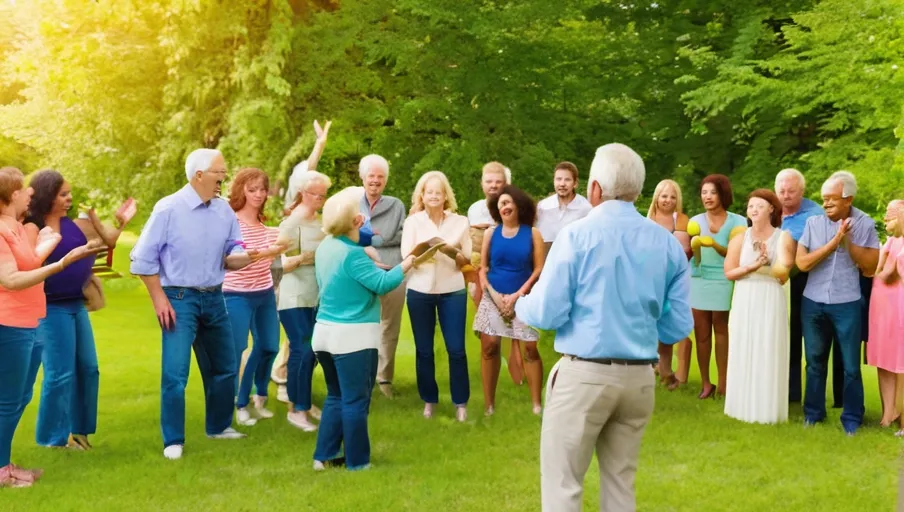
x=710, y=290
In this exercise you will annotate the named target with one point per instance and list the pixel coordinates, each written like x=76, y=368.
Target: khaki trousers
x=391, y=306
x=591, y=406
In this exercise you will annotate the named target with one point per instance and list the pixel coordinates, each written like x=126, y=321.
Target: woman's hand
x=126, y=212
x=90, y=249
x=408, y=263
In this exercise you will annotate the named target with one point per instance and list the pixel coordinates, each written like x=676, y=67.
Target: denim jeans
x=452, y=309
x=71, y=376
x=21, y=357
x=820, y=323
x=253, y=312
x=299, y=326
x=349, y=382
x=202, y=324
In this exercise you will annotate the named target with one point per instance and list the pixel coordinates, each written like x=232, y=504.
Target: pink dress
x=885, y=348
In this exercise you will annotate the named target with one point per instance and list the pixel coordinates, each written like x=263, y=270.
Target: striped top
x=256, y=276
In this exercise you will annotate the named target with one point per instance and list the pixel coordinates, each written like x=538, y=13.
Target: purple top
x=68, y=284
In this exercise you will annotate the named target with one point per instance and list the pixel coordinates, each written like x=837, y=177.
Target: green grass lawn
x=693, y=458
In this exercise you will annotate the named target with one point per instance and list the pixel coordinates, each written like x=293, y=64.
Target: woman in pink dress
x=885, y=349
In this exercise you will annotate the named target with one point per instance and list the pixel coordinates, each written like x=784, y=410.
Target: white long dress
x=757, y=387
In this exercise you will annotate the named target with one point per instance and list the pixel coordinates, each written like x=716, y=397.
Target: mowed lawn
x=693, y=458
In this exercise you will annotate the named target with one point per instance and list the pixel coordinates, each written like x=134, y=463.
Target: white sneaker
x=318, y=466
x=260, y=408
x=300, y=420
x=229, y=433
x=282, y=394
x=243, y=417
x=173, y=452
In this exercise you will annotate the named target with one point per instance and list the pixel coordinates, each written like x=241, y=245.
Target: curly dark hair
x=723, y=188
x=527, y=208
x=769, y=196
x=47, y=185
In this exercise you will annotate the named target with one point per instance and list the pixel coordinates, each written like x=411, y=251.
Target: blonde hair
x=11, y=181
x=498, y=168
x=417, y=198
x=660, y=188
x=340, y=211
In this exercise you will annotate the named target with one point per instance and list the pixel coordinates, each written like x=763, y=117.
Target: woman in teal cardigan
x=347, y=333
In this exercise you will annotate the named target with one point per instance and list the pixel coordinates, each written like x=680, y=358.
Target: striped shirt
x=256, y=276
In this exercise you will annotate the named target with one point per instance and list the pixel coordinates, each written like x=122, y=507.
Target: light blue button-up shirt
x=836, y=279
x=614, y=283
x=186, y=241
x=796, y=222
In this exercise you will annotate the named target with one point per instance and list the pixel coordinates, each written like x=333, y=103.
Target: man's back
x=614, y=283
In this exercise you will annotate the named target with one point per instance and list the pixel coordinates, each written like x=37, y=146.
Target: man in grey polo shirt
x=386, y=216
x=835, y=249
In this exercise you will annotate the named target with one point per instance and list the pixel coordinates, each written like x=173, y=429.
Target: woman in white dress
x=759, y=263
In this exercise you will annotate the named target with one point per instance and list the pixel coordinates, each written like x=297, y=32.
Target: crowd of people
x=339, y=268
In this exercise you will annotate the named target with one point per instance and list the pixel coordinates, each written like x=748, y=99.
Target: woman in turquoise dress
x=710, y=290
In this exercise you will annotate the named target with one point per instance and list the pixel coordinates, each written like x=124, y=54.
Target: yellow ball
x=738, y=230
x=693, y=228
x=695, y=243
x=707, y=241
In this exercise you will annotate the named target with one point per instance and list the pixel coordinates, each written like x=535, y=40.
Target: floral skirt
x=488, y=320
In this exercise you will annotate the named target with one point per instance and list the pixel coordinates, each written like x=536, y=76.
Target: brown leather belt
x=624, y=362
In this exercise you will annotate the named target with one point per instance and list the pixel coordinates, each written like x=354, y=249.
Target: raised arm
x=108, y=234
x=806, y=260
x=319, y=144
x=14, y=279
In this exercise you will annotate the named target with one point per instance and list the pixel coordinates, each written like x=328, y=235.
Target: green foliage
x=116, y=94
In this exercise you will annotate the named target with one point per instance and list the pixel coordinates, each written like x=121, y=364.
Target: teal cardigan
x=350, y=282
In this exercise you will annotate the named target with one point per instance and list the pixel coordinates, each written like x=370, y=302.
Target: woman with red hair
x=759, y=263
x=250, y=297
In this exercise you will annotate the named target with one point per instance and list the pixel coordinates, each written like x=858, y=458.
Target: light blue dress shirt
x=613, y=285
x=836, y=279
x=796, y=222
x=186, y=241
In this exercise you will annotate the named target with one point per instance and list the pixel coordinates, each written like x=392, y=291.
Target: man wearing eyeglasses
x=835, y=249
x=182, y=255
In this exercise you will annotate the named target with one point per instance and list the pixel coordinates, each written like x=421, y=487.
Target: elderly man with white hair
x=790, y=186
x=835, y=249
x=615, y=284
x=386, y=216
x=182, y=255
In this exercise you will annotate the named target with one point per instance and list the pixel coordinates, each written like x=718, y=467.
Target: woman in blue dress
x=710, y=290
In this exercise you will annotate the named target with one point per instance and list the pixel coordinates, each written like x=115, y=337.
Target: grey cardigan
x=386, y=219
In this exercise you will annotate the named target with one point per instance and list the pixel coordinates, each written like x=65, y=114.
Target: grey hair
x=619, y=171
x=790, y=173
x=371, y=161
x=301, y=182
x=200, y=160
x=847, y=180
x=341, y=210
x=508, y=176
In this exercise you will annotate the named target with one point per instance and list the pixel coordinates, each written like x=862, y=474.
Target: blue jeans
x=21, y=357
x=253, y=312
x=299, y=325
x=452, y=309
x=349, y=382
x=71, y=377
x=820, y=323
x=202, y=324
